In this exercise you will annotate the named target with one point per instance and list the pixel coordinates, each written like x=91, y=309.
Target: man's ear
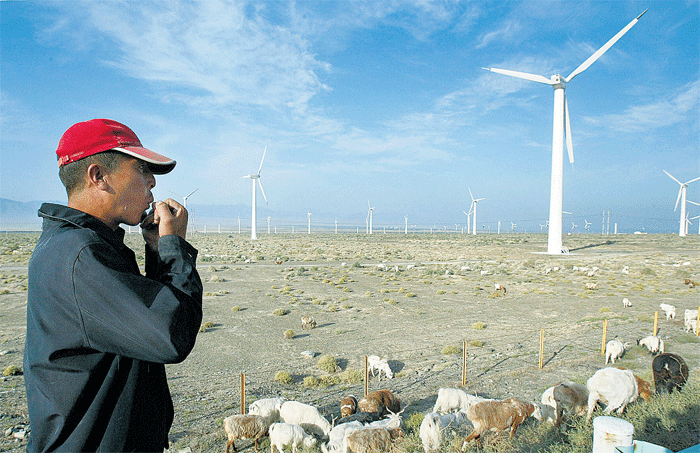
x=95, y=175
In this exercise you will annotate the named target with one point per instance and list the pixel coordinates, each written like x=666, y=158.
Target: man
x=98, y=331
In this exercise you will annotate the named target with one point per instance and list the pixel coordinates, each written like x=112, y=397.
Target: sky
x=383, y=102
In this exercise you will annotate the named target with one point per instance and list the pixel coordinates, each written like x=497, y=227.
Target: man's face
x=132, y=182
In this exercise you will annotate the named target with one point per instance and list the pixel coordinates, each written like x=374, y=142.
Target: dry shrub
x=289, y=334
x=451, y=350
x=283, y=377
x=327, y=363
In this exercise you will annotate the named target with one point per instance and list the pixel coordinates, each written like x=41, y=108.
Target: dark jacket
x=99, y=334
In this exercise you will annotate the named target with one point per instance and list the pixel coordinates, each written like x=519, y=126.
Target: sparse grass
x=283, y=377
x=289, y=334
x=12, y=370
x=476, y=343
x=206, y=326
x=478, y=326
x=447, y=350
x=280, y=312
x=236, y=308
x=327, y=363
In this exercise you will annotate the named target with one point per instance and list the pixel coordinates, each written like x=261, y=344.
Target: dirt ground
x=407, y=298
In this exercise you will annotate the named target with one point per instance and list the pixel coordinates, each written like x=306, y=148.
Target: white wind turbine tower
x=469, y=216
x=561, y=130
x=308, y=214
x=588, y=225
x=681, y=198
x=406, y=226
x=473, y=209
x=369, y=216
x=512, y=227
x=254, y=177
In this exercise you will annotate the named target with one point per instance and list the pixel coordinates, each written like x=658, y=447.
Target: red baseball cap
x=95, y=136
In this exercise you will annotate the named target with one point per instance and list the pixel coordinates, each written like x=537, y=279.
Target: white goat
x=308, y=417
x=379, y=365
x=308, y=322
x=435, y=425
x=283, y=434
x=337, y=435
x=496, y=415
x=566, y=396
x=653, y=343
x=613, y=386
x=669, y=309
x=450, y=400
x=244, y=426
x=268, y=408
x=690, y=319
x=614, y=350
x=626, y=302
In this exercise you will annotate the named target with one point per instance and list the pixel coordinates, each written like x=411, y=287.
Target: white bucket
x=611, y=432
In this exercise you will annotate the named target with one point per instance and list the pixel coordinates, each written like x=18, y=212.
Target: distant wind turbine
x=473, y=208
x=573, y=226
x=588, y=225
x=512, y=227
x=561, y=130
x=254, y=177
x=369, y=216
x=681, y=198
x=184, y=199
x=406, y=226
x=309, y=216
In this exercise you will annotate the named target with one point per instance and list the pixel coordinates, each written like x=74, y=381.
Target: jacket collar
x=80, y=219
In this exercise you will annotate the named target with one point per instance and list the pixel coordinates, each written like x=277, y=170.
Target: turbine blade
x=603, y=49
x=471, y=195
x=678, y=199
x=522, y=75
x=692, y=202
x=262, y=190
x=692, y=180
x=569, y=140
x=186, y=196
x=262, y=160
x=669, y=175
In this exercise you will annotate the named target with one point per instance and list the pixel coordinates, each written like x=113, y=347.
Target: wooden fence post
x=605, y=334
x=541, y=348
x=366, y=375
x=242, y=393
x=464, y=363
x=656, y=322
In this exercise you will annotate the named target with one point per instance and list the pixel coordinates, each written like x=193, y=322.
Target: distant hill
x=17, y=215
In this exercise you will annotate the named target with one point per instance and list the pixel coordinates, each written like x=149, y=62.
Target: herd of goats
x=369, y=424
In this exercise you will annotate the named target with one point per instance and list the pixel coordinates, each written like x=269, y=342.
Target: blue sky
x=358, y=100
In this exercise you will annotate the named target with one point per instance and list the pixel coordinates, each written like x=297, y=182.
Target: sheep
x=653, y=343
x=498, y=415
x=450, y=400
x=391, y=422
x=268, y=408
x=283, y=434
x=244, y=426
x=434, y=425
x=613, y=386
x=337, y=435
x=626, y=302
x=499, y=287
x=379, y=402
x=669, y=309
x=380, y=365
x=591, y=286
x=548, y=406
x=369, y=440
x=308, y=322
x=348, y=405
x=626, y=270
x=308, y=417
x=614, y=350
x=690, y=319
x=670, y=372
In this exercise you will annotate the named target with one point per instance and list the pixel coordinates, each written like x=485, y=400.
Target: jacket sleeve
x=122, y=312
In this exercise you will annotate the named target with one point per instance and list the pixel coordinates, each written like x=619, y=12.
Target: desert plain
x=413, y=299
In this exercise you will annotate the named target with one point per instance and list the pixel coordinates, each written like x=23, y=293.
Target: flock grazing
x=370, y=424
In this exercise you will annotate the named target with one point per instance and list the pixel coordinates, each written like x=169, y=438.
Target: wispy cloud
x=639, y=118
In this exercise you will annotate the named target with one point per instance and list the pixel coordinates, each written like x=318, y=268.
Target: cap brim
x=160, y=164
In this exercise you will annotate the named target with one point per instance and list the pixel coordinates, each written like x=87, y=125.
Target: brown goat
x=379, y=402
x=348, y=406
x=498, y=415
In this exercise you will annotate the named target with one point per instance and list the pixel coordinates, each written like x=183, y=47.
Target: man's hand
x=167, y=217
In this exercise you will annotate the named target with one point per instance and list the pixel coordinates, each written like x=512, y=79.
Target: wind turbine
x=254, y=177
x=681, y=197
x=512, y=227
x=469, y=216
x=369, y=216
x=184, y=199
x=406, y=226
x=309, y=216
x=588, y=225
x=561, y=130
x=573, y=226
x=473, y=209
